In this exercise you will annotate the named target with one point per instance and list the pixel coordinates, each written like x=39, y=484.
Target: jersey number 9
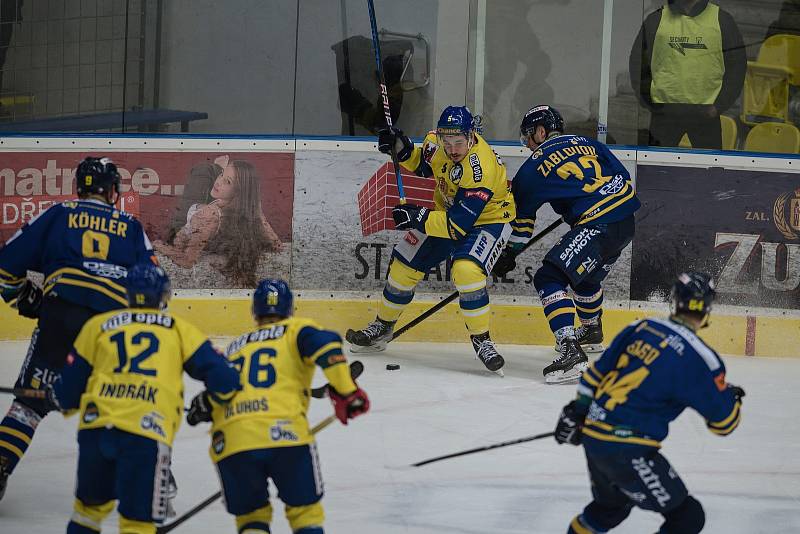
x=95, y=245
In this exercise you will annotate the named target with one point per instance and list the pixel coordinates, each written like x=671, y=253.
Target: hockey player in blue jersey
x=592, y=191
x=84, y=248
x=651, y=372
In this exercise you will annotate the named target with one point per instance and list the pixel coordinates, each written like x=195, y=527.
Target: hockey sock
x=16, y=433
x=306, y=519
x=687, y=518
x=558, y=307
x=398, y=291
x=132, y=526
x=578, y=526
x=589, y=304
x=563, y=333
x=86, y=519
x=255, y=522
x=470, y=281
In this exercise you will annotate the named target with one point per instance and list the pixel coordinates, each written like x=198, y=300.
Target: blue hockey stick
x=384, y=94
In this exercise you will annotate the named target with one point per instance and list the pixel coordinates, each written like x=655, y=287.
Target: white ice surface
x=441, y=401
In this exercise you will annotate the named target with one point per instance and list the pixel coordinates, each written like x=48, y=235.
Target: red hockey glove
x=350, y=406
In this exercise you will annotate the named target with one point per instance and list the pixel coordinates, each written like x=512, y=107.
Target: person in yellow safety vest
x=687, y=66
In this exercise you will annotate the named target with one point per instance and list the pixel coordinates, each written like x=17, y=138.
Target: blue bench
x=106, y=121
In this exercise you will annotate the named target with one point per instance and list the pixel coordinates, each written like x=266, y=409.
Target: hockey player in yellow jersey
x=124, y=376
x=263, y=432
x=469, y=225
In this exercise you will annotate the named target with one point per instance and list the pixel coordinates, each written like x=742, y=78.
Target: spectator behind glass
x=788, y=21
x=232, y=228
x=687, y=66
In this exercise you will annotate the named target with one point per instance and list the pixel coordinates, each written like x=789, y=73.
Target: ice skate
x=371, y=339
x=569, y=365
x=590, y=338
x=486, y=352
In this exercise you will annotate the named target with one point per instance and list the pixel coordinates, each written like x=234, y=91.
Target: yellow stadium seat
x=730, y=134
x=773, y=137
x=765, y=97
x=783, y=51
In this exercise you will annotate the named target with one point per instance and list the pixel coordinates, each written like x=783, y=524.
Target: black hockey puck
x=392, y=366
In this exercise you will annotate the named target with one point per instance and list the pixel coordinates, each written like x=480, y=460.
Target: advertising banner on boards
x=217, y=220
x=741, y=226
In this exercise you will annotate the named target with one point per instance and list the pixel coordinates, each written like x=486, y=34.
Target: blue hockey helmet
x=693, y=294
x=97, y=176
x=545, y=116
x=272, y=297
x=148, y=286
x=456, y=120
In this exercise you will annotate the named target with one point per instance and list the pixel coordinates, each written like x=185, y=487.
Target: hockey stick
x=194, y=511
x=486, y=448
x=23, y=392
x=450, y=298
x=384, y=94
x=356, y=368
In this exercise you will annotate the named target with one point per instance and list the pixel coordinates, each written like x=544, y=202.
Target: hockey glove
x=50, y=399
x=350, y=406
x=199, y=409
x=506, y=263
x=393, y=137
x=738, y=392
x=29, y=300
x=408, y=216
x=570, y=423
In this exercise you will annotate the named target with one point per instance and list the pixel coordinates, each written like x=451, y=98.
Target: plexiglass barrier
x=687, y=73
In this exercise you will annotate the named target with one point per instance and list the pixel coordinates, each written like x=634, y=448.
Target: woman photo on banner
x=225, y=239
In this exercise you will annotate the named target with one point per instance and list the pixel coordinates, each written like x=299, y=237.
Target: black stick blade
x=356, y=368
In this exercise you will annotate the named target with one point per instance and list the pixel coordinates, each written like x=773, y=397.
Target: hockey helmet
x=97, y=175
x=272, y=297
x=693, y=294
x=456, y=120
x=544, y=115
x=148, y=286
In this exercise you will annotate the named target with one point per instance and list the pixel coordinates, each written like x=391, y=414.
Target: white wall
x=232, y=59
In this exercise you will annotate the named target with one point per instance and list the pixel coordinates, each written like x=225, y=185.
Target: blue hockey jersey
x=651, y=372
x=581, y=180
x=83, y=247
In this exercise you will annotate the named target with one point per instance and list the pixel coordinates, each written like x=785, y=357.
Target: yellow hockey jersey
x=126, y=371
x=469, y=193
x=276, y=363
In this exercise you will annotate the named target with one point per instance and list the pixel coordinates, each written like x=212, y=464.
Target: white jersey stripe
x=705, y=352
